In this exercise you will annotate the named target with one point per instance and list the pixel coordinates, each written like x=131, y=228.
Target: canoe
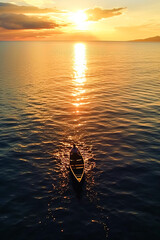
x=77, y=166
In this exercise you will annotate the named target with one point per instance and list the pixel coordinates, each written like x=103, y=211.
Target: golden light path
x=79, y=73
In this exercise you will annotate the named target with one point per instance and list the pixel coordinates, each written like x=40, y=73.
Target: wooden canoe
x=77, y=166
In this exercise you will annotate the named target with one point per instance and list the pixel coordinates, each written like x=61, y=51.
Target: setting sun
x=79, y=19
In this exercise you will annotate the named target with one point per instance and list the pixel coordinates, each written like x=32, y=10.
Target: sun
x=79, y=19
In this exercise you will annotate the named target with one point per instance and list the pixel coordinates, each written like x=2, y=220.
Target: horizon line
x=136, y=40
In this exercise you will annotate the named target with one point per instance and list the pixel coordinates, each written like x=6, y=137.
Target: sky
x=78, y=20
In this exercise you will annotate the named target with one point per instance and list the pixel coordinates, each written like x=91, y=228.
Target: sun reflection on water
x=80, y=64
x=79, y=78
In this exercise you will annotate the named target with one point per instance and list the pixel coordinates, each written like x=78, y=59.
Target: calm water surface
x=105, y=97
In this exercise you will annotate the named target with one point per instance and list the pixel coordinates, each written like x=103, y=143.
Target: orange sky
x=79, y=20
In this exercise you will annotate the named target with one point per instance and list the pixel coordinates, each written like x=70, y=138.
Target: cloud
x=20, y=21
x=96, y=14
x=78, y=36
x=13, y=8
x=138, y=31
x=17, y=35
x=139, y=28
x=45, y=35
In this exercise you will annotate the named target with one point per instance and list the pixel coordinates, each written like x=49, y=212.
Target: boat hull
x=77, y=166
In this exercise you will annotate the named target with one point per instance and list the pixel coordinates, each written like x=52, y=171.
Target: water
x=105, y=98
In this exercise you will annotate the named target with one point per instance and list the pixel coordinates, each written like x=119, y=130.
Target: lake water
x=105, y=97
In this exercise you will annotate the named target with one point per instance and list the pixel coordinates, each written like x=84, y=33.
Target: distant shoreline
x=151, y=39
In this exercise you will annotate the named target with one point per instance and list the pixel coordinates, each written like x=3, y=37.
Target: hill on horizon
x=151, y=39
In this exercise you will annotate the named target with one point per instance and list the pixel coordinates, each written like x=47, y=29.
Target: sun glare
x=79, y=74
x=79, y=19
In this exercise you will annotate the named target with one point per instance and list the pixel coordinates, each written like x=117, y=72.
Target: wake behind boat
x=76, y=164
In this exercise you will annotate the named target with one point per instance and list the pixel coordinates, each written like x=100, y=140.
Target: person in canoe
x=75, y=152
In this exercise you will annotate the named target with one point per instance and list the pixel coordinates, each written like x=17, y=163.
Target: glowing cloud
x=13, y=8
x=96, y=14
x=20, y=21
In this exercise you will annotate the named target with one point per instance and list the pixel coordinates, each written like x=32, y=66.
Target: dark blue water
x=105, y=97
